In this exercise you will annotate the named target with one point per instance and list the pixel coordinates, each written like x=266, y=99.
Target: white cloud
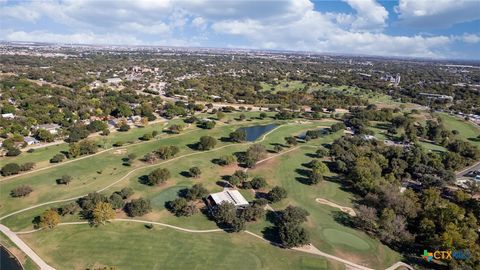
x=286, y=24
x=439, y=13
x=200, y=23
x=156, y=28
x=469, y=38
x=317, y=32
x=79, y=38
x=370, y=15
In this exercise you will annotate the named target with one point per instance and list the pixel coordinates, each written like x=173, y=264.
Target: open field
x=162, y=248
x=283, y=85
x=467, y=131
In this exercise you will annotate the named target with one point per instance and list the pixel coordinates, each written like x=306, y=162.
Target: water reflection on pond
x=8, y=261
x=255, y=132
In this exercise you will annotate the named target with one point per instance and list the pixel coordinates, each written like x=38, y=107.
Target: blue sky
x=414, y=28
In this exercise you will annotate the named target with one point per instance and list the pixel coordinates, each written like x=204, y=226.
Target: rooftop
x=231, y=196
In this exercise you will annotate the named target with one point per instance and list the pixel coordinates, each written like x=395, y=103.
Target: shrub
x=226, y=160
x=21, y=191
x=277, y=194
x=124, y=127
x=194, y=172
x=10, y=169
x=138, y=207
x=158, y=176
x=181, y=207
x=258, y=183
x=13, y=152
x=57, y=158
x=64, y=180
x=27, y=166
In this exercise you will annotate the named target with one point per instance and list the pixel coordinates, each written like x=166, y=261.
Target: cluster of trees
x=288, y=225
x=419, y=216
x=317, y=170
x=206, y=143
x=254, y=153
x=239, y=135
x=158, y=176
x=206, y=124
x=186, y=204
x=81, y=148
x=95, y=207
x=176, y=128
x=149, y=136
x=240, y=179
x=164, y=152
x=57, y=158
x=226, y=160
x=233, y=219
x=14, y=168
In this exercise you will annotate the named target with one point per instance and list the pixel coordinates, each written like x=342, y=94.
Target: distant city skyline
x=405, y=28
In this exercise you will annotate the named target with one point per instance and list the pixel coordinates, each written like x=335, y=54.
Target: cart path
x=306, y=249
x=140, y=168
x=25, y=248
x=87, y=156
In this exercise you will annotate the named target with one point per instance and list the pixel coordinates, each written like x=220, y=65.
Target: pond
x=8, y=261
x=254, y=132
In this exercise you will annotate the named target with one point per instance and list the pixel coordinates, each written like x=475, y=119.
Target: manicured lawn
x=41, y=156
x=327, y=233
x=96, y=172
x=467, y=131
x=283, y=86
x=132, y=246
x=432, y=147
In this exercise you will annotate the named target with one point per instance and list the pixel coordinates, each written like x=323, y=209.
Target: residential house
x=52, y=128
x=30, y=140
x=8, y=115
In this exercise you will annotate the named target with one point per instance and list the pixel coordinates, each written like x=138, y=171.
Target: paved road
x=25, y=248
x=475, y=166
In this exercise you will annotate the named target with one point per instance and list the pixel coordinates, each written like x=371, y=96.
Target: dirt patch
x=121, y=151
x=229, y=170
x=344, y=209
x=18, y=254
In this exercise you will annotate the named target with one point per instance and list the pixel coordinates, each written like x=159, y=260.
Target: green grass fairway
x=346, y=239
x=432, y=147
x=41, y=156
x=132, y=246
x=358, y=246
x=467, y=131
x=159, y=200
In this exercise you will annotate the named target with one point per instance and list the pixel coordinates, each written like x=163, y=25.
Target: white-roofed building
x=232, y=196
x=8, y=115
